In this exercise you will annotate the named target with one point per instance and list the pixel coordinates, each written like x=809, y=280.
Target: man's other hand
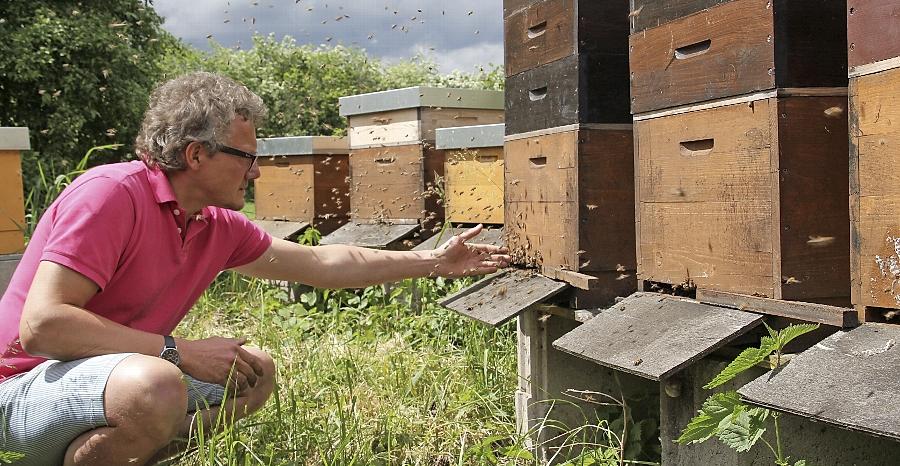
x=220, y=360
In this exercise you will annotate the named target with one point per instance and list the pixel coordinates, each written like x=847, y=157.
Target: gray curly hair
x=194, y=107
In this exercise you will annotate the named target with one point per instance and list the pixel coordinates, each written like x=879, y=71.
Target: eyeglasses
x=239, y=153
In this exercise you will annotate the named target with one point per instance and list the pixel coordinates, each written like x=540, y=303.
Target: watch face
x=171, y=355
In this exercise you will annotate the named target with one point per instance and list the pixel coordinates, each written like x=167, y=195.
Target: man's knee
x=147, y=394
x=266, y=384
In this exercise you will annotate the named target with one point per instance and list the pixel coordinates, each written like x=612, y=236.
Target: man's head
x=197, y=107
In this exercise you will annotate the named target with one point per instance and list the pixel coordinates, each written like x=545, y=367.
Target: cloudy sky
x=458, y=34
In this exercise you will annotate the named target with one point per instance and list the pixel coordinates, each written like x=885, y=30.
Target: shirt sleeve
x=90, y=226
x=250, y=240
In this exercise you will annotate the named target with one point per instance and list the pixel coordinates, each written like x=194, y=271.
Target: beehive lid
x=281, y=228
x=370, y=235
x=470, y=137
x=501, y=296
x=654, y=336
x=420, y=96
x=850, y=379
x=14, y=138
x=302, y=145
x=492, y=236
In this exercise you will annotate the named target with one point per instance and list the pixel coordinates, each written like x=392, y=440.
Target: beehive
x=12, y=200
x=473, y=173
x=746, y=197
x=304, y=179
x=735, y=48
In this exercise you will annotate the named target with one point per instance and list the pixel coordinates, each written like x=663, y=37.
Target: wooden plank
x=493, y=236
x=281, y=229
x=503, y=295
x=12, y=200
x=827, y=315
x=813, y=172
x=8, y=264
x=331, y=188
x=387, y=183
x=654, y=336
x=391, y=127
x=873, y=31
x=646, y=14
x=875, y=196
x=578, y=280
x=539, y=34
x=374, y=235
x=12, y=242
x=474, y=185
x=302, y=145
x=284, y=190
x=863, y=395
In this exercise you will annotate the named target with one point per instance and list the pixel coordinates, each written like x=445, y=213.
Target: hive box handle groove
x=537, y=30
x=693, y=50
x=537, y=94
x=538, y=162
x=697, y=148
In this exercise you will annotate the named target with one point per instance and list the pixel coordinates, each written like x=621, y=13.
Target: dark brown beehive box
x=304, y=179
x=873, y=33
x=747, y=198
x=569, y=204
x=736, y=48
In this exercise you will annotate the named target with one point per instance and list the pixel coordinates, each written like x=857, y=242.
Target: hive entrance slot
x=690, y=51
x=384, y=160
x=537, y=94
x=537, y=30
x=487, y=158
x=697, y=148
x=538, y=162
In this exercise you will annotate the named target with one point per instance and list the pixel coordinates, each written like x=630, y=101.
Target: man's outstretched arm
x=339, y=266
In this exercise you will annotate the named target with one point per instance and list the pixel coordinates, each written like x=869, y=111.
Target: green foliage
x=10, y=457
x=310, y=237
x=78, y=75
x=734, y=423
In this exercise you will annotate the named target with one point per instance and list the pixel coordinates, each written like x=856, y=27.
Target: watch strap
x=169, y=342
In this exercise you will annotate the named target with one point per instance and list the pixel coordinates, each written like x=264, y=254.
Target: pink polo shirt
x=120, y=226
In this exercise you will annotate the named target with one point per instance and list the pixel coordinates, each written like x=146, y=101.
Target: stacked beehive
x=393, y=163
x=741, y=158
x=873, y=29
x=12, y=201
x=569, y=185
x=304, y=179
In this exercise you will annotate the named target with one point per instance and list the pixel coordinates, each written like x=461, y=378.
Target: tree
x=78, y=74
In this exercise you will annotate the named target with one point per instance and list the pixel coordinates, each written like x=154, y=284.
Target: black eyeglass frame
x=239, y=153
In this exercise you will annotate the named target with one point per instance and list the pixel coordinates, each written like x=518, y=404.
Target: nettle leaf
x=706, y=423
x=800, y=463
x=793, y=331
x=747, y=359
x=740, y=430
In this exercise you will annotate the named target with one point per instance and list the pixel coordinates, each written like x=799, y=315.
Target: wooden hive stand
x=304, y=180
x=396, y=172
x=873, y=29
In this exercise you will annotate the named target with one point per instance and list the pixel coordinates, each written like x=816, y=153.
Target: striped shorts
x=45, y=409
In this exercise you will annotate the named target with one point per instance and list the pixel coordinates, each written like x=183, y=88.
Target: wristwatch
x=170, y=351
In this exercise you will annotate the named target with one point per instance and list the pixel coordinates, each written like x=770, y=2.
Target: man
x=89, y=374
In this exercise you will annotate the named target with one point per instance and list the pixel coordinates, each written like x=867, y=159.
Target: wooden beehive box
x=566, y=63
x=473, y=173
x=735, y=48
x=748, y=197
x=569, y=204
x=304, y=179
x=12, y=200
x=410, y=115
x=874, y=38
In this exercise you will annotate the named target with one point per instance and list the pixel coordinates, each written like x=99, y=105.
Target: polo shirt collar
x=163, y=192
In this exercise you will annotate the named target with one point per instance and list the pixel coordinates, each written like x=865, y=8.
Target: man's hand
x=457, y=259
x=212, y=360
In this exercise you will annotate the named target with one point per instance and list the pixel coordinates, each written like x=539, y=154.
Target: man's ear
x=193, y=154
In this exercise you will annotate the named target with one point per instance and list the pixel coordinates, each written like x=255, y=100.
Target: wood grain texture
x=747, y=199
x=392, y=127
x=281, y=228
x=738, y=47
x=873, y=31
x=646, y=14
x=875, y=195
x=569, y=200
x=372, y=235
x=285, y=188
x=586, y=88
x=387, y=183
x=474, y=185
x=12, y=242
x=499, y=297
x=434, y=118
x=862, y=398
x=655, y=336
x=12, y=200
x=807, y=312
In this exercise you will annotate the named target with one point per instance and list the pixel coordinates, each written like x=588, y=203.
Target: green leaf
x=706, y=423
x=739, y=430
x=747, y=359
x=792, y=331
x=518, y=452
